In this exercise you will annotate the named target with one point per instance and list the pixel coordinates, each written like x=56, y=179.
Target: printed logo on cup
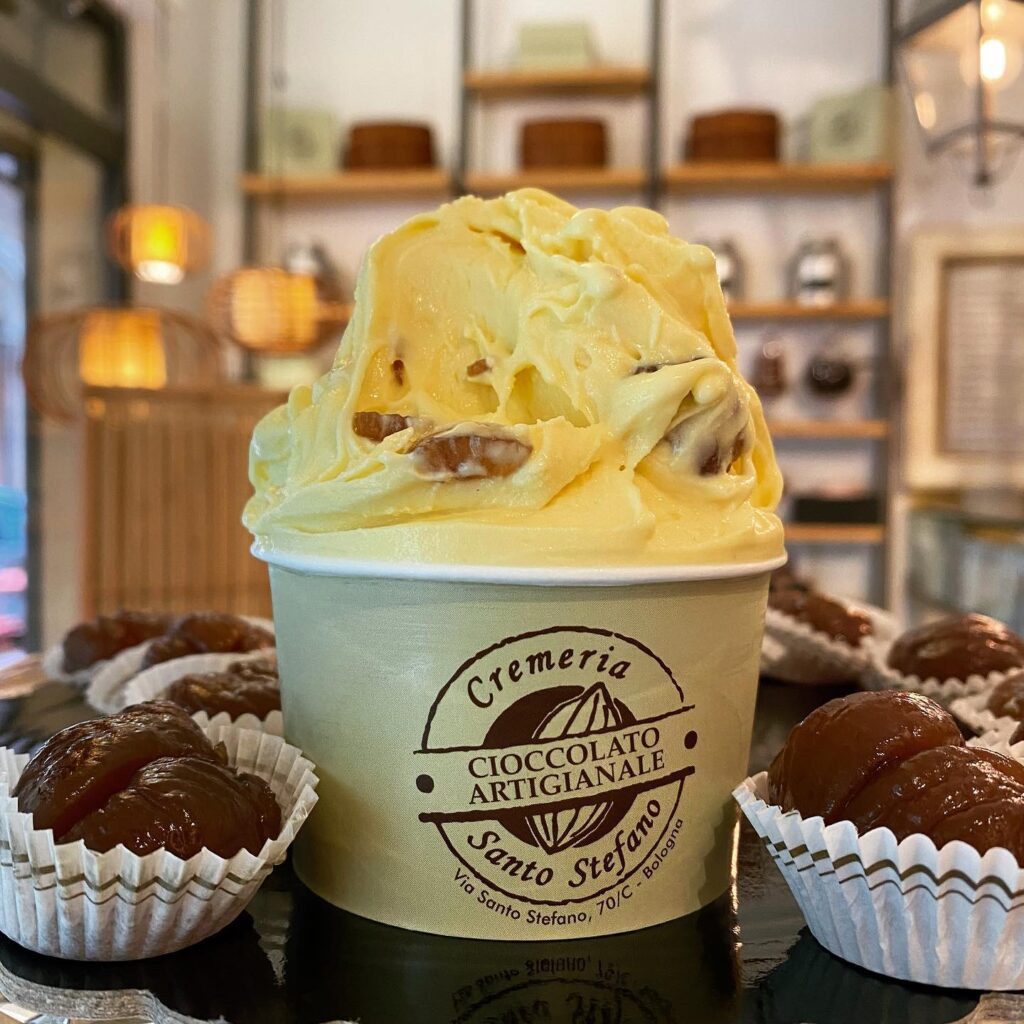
x=552, y=765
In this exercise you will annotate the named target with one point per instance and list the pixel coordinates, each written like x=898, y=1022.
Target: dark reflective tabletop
x=294, y=958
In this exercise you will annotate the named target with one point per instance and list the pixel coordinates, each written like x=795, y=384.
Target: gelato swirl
x=525, y=383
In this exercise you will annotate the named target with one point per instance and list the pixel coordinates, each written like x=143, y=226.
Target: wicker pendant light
x=157, y=243
x=271, y=311
x=112, y=347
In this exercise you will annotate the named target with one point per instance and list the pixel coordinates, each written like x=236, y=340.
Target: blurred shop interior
x=187, y=189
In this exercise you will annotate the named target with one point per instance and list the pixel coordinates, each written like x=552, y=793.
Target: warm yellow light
x=924, y=105
x=992, y=13
x=122, y=348
x=160, y=244
x=269, y=309
x=992, y=56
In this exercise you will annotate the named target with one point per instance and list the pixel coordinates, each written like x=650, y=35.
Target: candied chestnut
x=375, y=426
x=106, y=635
x=207, y=633
x=956, y=648
x=947, y=793
x=147, y=777
x=242, y=688
x=787, y=592
x=718, y=459
x=470, y=451
x=897, y=760
x=839, y=747
x=835, y=619
x=1007, y=699
x=823, y=614
x=183, y=804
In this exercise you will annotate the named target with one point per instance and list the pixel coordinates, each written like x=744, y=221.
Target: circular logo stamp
x=552, y=763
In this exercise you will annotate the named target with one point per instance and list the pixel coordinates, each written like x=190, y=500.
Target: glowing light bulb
x=924, y=105
x=992, y=59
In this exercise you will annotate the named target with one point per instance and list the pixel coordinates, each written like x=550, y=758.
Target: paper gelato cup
x=519, y=753
x=151, y=684
x=948, y=917
x=69, y=902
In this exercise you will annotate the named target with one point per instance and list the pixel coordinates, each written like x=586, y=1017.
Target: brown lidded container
x=734, y=135
x=563, y=143
x=389, y=145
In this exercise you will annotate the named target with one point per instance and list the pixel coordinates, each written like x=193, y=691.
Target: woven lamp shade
x=271, y=311
x=160, y=244
x=110, y=347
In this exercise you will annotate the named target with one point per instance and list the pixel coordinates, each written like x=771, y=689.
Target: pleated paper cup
x=107, y=688
x=519, y=753
x=153, y=682
x=974, y=713
x=794, y=652
x=879, y=675
x=69, y=902
x=950, y=917
x=998, y=739
x=53, y=666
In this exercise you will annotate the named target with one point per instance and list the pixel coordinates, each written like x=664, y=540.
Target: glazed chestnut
x=183, y=804
x=823, y=614
x=897, y=760
x=106, y=635
x=246, y=687
x=147, y=777
x=1007, y=699
x=956, y=648
x=832, y=754
x=207, y=633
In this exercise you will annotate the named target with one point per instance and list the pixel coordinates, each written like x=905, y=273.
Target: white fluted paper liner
x=878, y=675
x=69, y=902
x=151, y=684
x=950, y=917
x=106, y=691
x=998, y=739
x=796, y=653
x=53, y=666
x=974, y=713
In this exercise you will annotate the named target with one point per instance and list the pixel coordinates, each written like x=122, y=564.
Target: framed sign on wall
x=964, y=371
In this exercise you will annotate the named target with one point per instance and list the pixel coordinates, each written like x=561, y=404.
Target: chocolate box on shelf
x=563, y=143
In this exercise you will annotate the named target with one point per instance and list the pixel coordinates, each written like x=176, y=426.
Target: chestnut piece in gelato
x=956, y=648
x=245, y=687
x=897, y=760
x=149, y=778
x=207, y=633
x=1007, y=699
x=106, y=635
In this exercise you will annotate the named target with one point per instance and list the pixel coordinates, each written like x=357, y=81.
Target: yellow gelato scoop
x=525, y=384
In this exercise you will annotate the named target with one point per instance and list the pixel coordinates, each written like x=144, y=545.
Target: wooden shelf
x=607, y=80
x=837, y=429
x=855, y=309
x=434, y=181
x=774, y=177
x=598, y=179
x=839, y=533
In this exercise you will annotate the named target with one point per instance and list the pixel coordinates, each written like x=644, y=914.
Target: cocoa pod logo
x=552, y=764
